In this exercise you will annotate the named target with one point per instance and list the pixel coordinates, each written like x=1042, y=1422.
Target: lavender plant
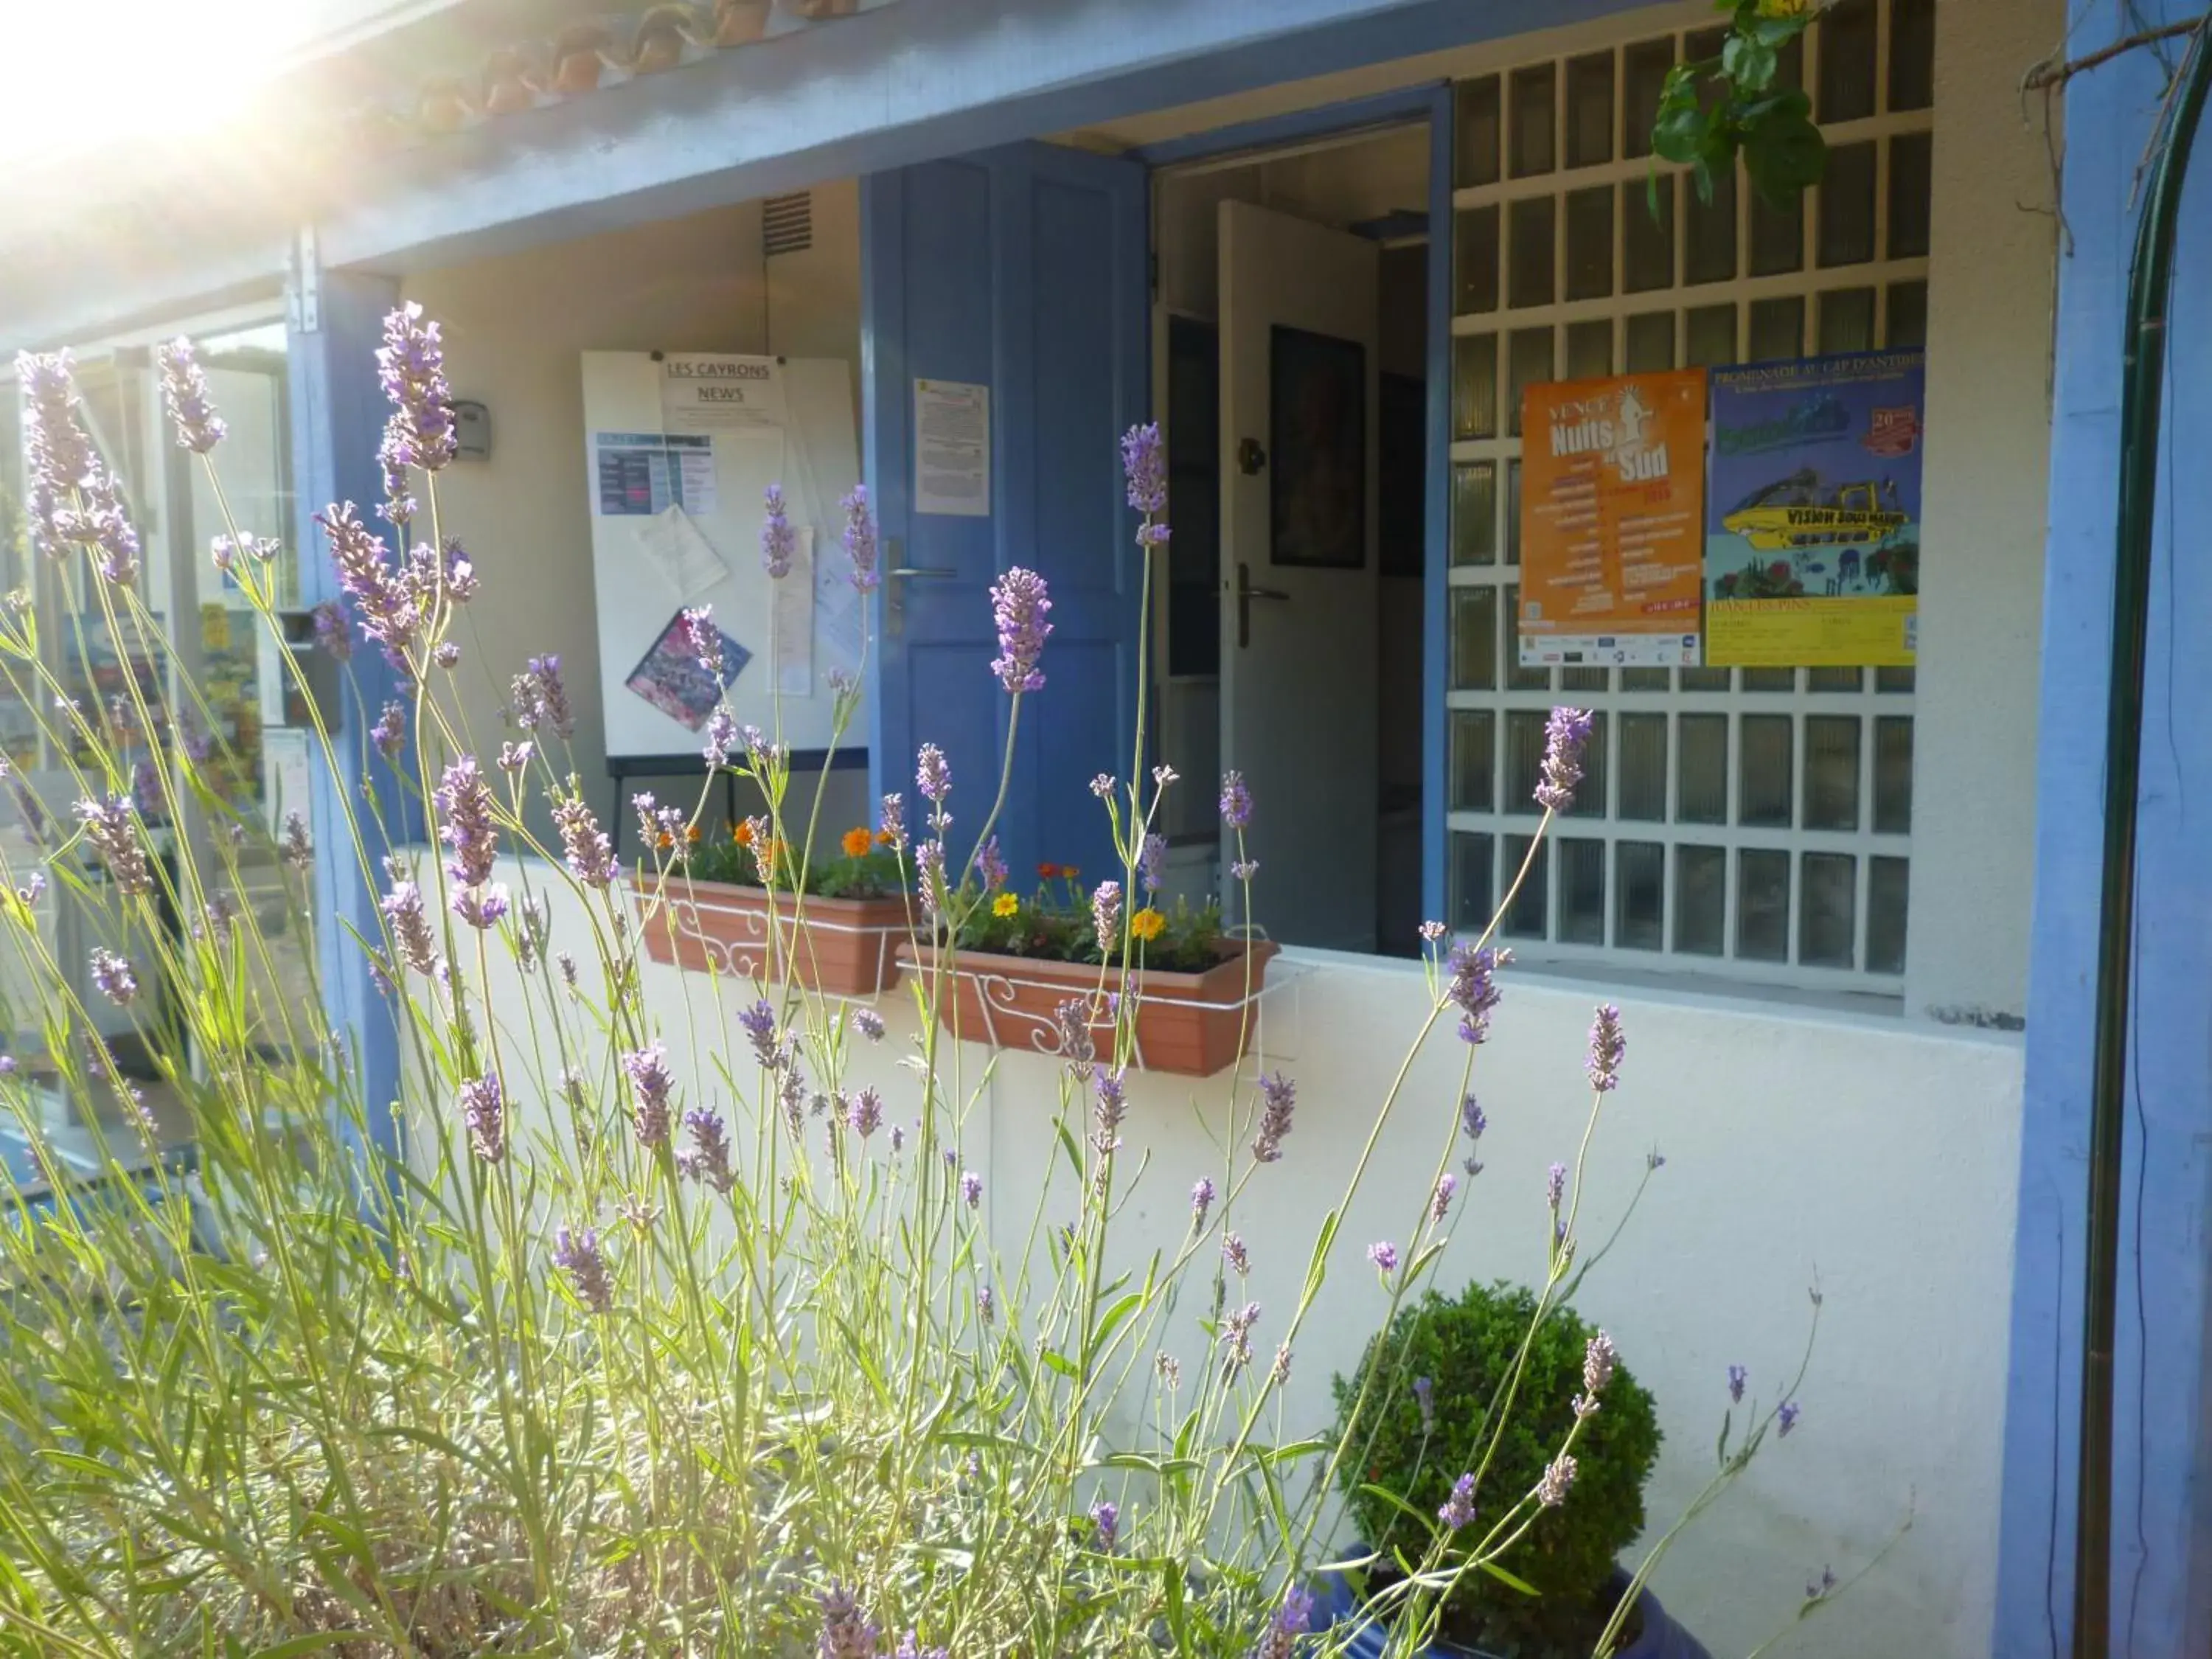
x=665, y=1328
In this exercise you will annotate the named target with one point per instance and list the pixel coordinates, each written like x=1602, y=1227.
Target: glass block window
x=1754, y=824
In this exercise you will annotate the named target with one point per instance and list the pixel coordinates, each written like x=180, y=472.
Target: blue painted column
x=337, y=417
x=2162, y=1543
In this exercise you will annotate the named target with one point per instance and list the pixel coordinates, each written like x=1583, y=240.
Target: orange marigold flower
x=1047, y=872
x=1148, y=924
x=663, y=840
x=691, y=832
x=885, y=838
x=1070, y=872
x=857, y=842
x=742, y=833
x=1005, y=905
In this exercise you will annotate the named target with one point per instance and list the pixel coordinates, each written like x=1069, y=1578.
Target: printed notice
x=643, y=474
x=1612, y=520
x=700, y=392
x=952, y=449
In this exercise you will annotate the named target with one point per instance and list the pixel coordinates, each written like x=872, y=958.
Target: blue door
x=1023, y=270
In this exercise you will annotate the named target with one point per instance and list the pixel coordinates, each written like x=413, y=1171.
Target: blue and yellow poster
x=1813, y=513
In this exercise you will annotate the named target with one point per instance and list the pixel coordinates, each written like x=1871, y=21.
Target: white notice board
x=679, y=451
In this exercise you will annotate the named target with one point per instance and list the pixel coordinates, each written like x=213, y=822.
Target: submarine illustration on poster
x=1796, y=513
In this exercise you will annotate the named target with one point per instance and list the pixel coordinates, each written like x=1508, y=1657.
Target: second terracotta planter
x=840, y=947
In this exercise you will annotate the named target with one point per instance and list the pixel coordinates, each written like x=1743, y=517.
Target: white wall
x=1874, y=1158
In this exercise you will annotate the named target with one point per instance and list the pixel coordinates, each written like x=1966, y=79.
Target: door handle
x=934, y=572
x=894, y=590
x=1245, y=594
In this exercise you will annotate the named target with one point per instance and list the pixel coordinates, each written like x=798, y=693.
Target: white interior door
x=1299, y=570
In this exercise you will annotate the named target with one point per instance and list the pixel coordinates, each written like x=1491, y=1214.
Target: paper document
x=952, y=448
x=686, y=560
x=791, y=620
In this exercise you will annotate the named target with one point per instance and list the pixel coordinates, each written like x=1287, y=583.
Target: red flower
x=1047, y=872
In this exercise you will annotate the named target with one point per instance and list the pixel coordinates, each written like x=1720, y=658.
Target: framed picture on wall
x=1317, y=444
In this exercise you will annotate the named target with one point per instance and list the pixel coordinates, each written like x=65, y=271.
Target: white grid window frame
x=1789, y=790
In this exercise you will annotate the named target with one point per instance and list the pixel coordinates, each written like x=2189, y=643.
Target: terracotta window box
x=842, y=947
x=1190, y=1025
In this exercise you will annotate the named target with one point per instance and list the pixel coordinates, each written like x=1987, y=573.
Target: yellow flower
x=857, y=842
x=1005, y=905
x=1148, y=924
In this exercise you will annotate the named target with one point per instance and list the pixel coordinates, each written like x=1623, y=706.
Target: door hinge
x=303, y=285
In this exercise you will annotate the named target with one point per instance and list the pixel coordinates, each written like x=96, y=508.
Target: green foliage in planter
x=1466, y=1349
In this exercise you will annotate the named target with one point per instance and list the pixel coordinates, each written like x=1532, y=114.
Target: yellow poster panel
x=1810, y=633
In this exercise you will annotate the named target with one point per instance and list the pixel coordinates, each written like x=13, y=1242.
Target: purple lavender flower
x=1169, y=1368
x=1201, y=1202
x=1072, y=1021
x=333, y=632
x=971, y=1188
x=515, y=757
x=864, y=1115
x=1106, y=1519
x=1145, y=464
x=1235, y=801
x=1599, y=1359
x=1458, y=1509
x=1103, y=784
x=705, y=639
x=1152, y=861
x=721, y=739
x=1564, y=734
x=651, y=1084
x=1244, y=869
x=1558, y=1475
x=1425, y=1397
x=384, y=604
x=390, y=732
x=931, y=774
x=1737, y=1377
x=1112, y=1105
x=909, y=1645
x=75, y=500
x=482, y=908
x=1785, y=1419
x=1019, y=605
x=779, y=541
x=578, y=1255
x=1237, y=1335
x=1282, y=1100
x=1432, y=933
x=484, y=1109
x=1821, y=1588
x=1555, y=1185
x=411, y=363
x=758, y=1023
x=1607, y=1044
x=185, y=394
x=861, y=538
x=1106, y=916
x=1472, y=1122
x=464, y=805
x=404, y=914
x=445, y=653
x=1384, y=1254
x=112, y=828
x=892, y=824
x=1280, y=1372
x=584, y=846
x=1291, y=1621
x=295, y=846
x=708, y=1158
x=869, y=1023
x=111, y=975
x=990, y=865
x=542, y=699
x=1473, y=988
x=846, y=1631
x=929, y=868
x=1234, y=1252
x=898, y=1139
x=987, y=1308
x=1440, y=1200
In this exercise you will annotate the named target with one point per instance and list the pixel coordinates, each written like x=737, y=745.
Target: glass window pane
x=1847, y=320
x=1639, y=885
x=1701, y=791
x=1709, y=233
x=1524, y=758
x=1847, y=61
x=1584, y=679
x=1643, y=767
x=1764, y=782
x=1700, y=900
x=1581, y=892
x=1475, y=513
x=1513, y=511
x=1778, y=236
x=1711, y=335
x=1589, y=110
x=1644, y=77
x=1762, y=905
x=1590, y=350
x=1831, y=772
x=1471, y=880
x=1474, y=131
x=1833, y=679
x=1534, y=224
x=1651, y=343
x=1768, y=679
x=1474, y=385
x=1474, y=635
x=1828, y=929
x=1533, y=119
x=1647, y=244
x=1908, y=316
x=1911, y=54
x=1474, y=746
x=1910, y=183
x=1777, y=328
x=1893, y=679
x=1892, y=774
x=1530, y=351
x=1846, y=236
x=1590, y=793
x=1704, y=679
x=1518, y=679
x=1589, y=243
x=1532, y=904
x=1886, y=885
x=1644, y=679
x=1475, y=260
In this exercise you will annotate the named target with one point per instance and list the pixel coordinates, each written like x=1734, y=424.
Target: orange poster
x=1612, y=519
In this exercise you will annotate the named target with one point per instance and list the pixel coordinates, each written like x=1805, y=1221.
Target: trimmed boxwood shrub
x=1465, y=1347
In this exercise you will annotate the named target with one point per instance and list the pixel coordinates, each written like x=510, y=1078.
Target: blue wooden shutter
x=1024, y=269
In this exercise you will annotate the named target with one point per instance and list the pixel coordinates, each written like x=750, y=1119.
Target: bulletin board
x=680, y=448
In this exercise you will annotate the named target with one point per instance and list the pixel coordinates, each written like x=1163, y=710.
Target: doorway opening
x=1290, y=362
